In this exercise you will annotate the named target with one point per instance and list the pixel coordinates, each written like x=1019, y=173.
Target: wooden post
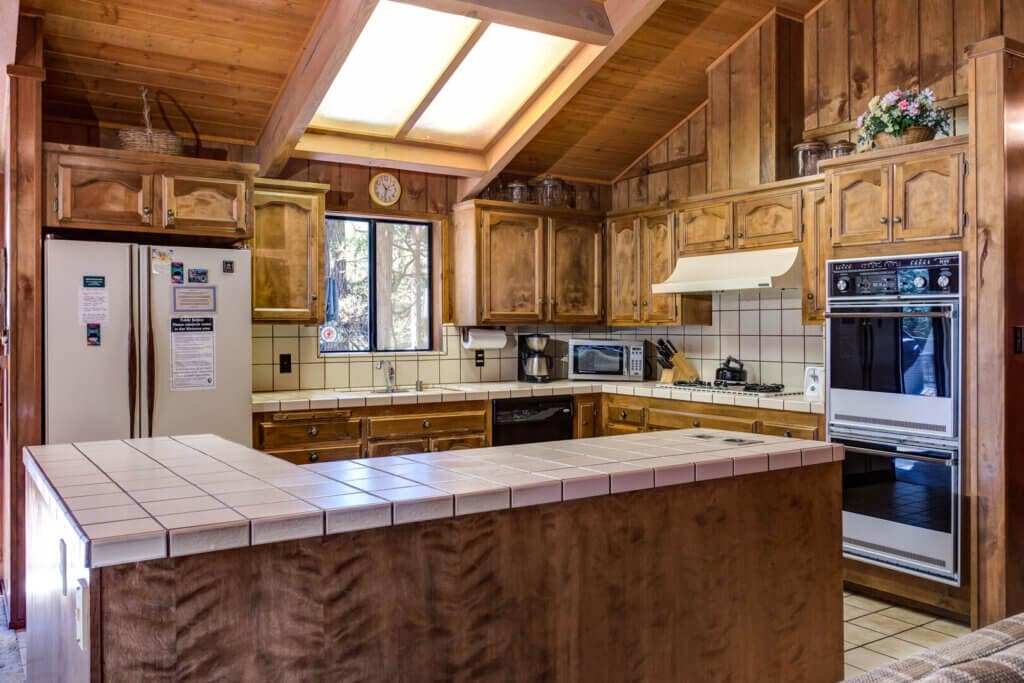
x=24, y=376
x=994, y=372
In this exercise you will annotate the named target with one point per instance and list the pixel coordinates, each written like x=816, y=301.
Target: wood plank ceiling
x=646, y=88
x=223, y=61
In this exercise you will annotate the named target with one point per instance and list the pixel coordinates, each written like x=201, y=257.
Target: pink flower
x=904, y=105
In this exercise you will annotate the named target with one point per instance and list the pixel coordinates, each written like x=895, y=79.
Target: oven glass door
x=905, y=350
x=901, y=505
x=598, y=360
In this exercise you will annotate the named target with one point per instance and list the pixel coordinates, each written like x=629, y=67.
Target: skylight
x=437, y=78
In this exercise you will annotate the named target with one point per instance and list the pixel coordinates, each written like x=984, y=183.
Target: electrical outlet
x=285, y=363
x=479, y=356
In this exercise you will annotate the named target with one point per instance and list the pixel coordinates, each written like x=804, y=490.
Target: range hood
x=765, y=269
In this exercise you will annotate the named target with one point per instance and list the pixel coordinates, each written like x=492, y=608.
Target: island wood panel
x=855, y=49
x=735, y=579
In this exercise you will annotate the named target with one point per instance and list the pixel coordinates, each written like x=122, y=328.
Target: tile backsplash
x=761, y=328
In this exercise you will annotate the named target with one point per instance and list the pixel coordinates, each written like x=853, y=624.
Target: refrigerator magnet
x=92, y=334
x=200, y=275
x=177, y=272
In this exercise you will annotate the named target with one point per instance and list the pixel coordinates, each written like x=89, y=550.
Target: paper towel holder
x=464, y=331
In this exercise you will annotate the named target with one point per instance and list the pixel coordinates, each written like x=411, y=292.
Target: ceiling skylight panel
x=396, y=60
x=498, y=76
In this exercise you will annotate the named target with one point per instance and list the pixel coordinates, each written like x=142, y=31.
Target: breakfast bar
x=681, y=555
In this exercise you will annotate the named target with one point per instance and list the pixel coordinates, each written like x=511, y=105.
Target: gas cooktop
x=719, y=386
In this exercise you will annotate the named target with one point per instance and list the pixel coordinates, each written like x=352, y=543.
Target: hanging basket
x=912, y=135
x=149, y=140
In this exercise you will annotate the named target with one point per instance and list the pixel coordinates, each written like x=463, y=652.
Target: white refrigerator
x=146, y=341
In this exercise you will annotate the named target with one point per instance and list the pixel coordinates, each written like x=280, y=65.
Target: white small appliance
x=591, y=359
x=814, y=382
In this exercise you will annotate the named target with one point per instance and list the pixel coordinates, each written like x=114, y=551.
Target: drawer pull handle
x=696, y=423
x=313, y=431
x=314, y=456
x=788, y=434
x=426, y=424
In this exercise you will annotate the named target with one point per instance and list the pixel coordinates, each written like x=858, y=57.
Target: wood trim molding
x=346, y=149
x=330, y=41
x=775, y=12
x=996, y=44
x=584, y=20
x=686, y=119
x=664, y=166
x=847, y=126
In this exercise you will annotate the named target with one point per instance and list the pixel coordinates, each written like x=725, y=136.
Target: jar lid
x=842, y=144
x=811, y=144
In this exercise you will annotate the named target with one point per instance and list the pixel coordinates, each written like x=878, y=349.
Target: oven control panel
x=921, y=275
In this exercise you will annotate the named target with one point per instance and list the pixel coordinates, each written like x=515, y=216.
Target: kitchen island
x=680, y=555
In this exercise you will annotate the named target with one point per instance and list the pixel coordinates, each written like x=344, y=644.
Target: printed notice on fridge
x=93, y=304
x=193, y=354
x=194, y=299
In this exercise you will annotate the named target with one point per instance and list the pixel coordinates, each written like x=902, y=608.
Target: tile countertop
x=275, y=401
x=144, y=499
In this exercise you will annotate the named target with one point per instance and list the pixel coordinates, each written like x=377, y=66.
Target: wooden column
x=995, y=290
x=24, y=376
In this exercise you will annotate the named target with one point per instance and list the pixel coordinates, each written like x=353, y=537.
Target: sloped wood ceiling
x=224, y=61
x=650, y=84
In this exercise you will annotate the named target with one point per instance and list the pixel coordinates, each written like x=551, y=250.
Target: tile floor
x=877, y=633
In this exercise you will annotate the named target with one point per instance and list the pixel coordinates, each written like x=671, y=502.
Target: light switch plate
x=82, y=614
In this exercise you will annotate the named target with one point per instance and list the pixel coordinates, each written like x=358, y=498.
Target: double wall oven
x=894, y=354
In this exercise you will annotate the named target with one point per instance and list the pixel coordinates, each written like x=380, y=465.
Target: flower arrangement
x=900, y=117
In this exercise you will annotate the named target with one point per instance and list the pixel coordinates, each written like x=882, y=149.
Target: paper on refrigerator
x=193, y=354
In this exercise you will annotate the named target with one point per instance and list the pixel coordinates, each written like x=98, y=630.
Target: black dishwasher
x=532, y=420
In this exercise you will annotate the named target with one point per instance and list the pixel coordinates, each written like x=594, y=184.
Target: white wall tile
x=429, y=370
x=793, y=350
x=771, y=349
x=793, y=374
x=360, y=374
x=262, y=351
x=309, y=350
x=311, y=375
x=750, y=349
x=729, y=322
x=771, y=373
x=792, y=321
x=450, y=371
x=750, y=322
x=336, y=375
x=771, y=321
x=263, y=378
x=814, y=350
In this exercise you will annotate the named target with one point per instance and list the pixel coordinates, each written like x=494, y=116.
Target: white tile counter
x=276, y=401
x=144, y=499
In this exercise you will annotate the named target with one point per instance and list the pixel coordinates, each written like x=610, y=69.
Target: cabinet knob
x=739, y=234
x=810, y=296
x=623, y=414
x=645, y=302
x=314, y=297
x=146, y=212
x=314, y=456
x=696, y=423
x=725, y=236
x=313, y=431
x=170, y=215
x=426, y=424
x=787, y=434
x=897, y=219
x=883, y=220
x=586, y=423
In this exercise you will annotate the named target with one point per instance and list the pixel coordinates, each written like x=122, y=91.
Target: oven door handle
x=930, y=314
x=948, y=462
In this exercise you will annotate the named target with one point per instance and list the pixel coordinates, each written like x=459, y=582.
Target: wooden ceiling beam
x=587, y=21
x=330, y=41
x=407, y=156
x=626, y=16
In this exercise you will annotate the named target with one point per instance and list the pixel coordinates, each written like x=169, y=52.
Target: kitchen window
x=379, y=294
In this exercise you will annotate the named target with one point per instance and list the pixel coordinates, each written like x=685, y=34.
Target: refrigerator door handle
x=133, y=363
x=150, y=369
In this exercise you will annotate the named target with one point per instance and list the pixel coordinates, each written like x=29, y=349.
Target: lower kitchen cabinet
x=307, y=456
x=792, y=431
x=587, y=416
x=380, y=449
x=458, y=443
x=660, y=419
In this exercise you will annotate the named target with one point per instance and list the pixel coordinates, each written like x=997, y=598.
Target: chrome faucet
x=389, y=372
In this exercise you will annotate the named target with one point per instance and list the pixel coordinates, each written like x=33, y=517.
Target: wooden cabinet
x=816, y=250
x=205, y=204
x=661, y=418
x=574, y=272
x=288, y=252
x=706, y=228
x=427, y=423
x=380, y=449
x=307, y=456
x=624, y=270
x=768, y=220
x=913, y=193
x=116, y=190
x=587, y=417
x=781, y=428
x=515, y=264
x=309, y=429
x=657, y=249
x=458, y=443
x=622, y=415
x=511, y=267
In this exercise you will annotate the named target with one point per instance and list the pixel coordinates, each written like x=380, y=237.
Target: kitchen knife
x=671, y=347
x=665, y=349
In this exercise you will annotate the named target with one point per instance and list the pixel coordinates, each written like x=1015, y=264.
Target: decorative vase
x=910, y=136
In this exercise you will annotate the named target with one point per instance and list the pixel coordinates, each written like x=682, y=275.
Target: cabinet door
x=211, y=206
x=98, y=193
x=458, y=443
x=768, y=220
x=927, y=200
x=511, y=268
x=623, y=271
x=658, y=252
x=705, y=229
x=670, y=419
x=287, y=257
x=815, y=252
x=574, y=272
x=379, y=449
x=586, y=418
x=428, y=423
x=306, y=456
x=860, y=207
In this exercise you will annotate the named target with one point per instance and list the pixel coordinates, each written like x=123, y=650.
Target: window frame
x=432, y=265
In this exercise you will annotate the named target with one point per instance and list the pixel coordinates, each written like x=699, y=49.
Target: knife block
x=681, y=371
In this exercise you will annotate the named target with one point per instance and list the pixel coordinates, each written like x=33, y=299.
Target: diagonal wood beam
x=584, y=20
x=460, y=57
x=329, y=43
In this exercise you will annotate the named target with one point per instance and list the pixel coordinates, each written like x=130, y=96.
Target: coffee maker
x=534, y=364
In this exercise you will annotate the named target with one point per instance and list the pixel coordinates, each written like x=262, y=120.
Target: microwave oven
x=592, y=359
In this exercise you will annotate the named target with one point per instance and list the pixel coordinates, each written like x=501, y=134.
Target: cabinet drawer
x=458, y=443
x=277, y=435
x=428, y=423
x=612, y=429
x=305, y=456
x=381, y=449
x=794, y=431
x=668, y=419
x=632, y=415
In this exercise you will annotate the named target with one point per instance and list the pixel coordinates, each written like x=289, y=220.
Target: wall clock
x=385, y=189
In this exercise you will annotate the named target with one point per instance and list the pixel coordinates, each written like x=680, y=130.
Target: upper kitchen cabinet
x=816, y=251
x=901, y=195
x=658, y=251
x=768, y=220
x=706, y=228
x=521, y=264
x=103, y=189
x=624, y=270
x=288, y=252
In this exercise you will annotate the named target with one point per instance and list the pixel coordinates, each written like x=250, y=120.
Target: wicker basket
x=149, y=140
x=912, y=135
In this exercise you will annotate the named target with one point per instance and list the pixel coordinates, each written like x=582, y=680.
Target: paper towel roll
x=476, y=338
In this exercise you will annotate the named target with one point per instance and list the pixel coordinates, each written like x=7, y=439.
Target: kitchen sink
x=391, y=391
